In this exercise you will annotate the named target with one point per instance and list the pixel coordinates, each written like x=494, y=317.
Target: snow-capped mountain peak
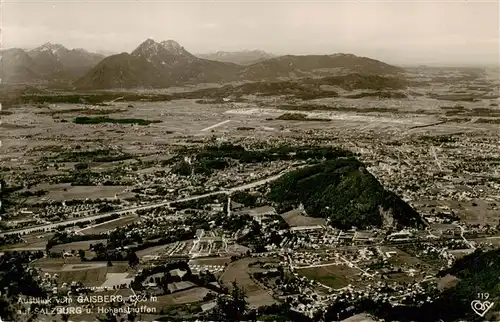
x=53, y=48
x=172, y=46
x=150, y=49
x=81, y=50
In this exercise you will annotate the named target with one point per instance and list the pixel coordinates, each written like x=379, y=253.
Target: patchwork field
x=109, y=225
x=294, y=218
x=238, y=271
x=182, y=297
x=334, y=276
x=210, y=261
x=77, y=245
x=89, y=273
x=67, y=192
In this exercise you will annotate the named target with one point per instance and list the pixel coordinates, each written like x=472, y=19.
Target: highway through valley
x=49, y=227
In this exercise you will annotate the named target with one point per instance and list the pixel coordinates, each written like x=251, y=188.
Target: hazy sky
x=443, y=32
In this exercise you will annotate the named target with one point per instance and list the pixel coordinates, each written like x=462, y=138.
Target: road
x=116, y=99
x=351, y=264
x=348, y=262
x=436, y=158
x=215, y=125
x=49, y=227
x=103, y=223
x=314, y=265
x=462, y=231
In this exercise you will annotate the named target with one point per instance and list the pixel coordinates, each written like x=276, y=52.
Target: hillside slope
x=17, y=66
x=320, y=65
x=154, y=64
x=478, y=272
x=47, y=63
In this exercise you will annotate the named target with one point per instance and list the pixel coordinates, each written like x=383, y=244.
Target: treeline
x=201, y=279
x=79, y=178
x=60, y=238
x=104, y=119
x=379, y=94
x=9, y=239
x=299, y=117
x=438, y=139
x=118, y=241
x=298, y=89
x=281, y=312
x=179, y=235
x=219, y=156
x=85, y=111
x=94, y=99
x=284, y=152
x=245, y=198
x=15, y=279
x=166, y=268
x=37, y=193
x=6, y=195
x=477, y=272
x=201, y=166
x=196, y=203
x=100, y=155
x=357, y=81
x=306, y=88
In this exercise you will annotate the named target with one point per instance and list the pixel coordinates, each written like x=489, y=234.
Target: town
x=155, y=183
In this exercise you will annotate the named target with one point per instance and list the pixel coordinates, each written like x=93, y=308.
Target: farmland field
x=210, y=261
x=335, y=276
x=182, y=297
x=77, y=245
x=295, y=219
x=238, y=271
x=107, y=226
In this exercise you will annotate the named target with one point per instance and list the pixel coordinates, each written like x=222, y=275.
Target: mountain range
x=243, y=57
x=47, y=63
x=166, y=63
x=163, y=64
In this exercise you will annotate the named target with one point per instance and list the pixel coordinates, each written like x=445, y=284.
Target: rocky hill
x=154, y=64
x=17, y=66
x=343, y=191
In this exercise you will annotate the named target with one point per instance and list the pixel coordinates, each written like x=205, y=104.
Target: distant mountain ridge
x=242, y=57
x=317, y=65
x=49, y=62
x=166, y=63
x=154, y=64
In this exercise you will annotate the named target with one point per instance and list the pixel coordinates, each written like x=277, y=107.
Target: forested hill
x=478, y=272
x=343, y=191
